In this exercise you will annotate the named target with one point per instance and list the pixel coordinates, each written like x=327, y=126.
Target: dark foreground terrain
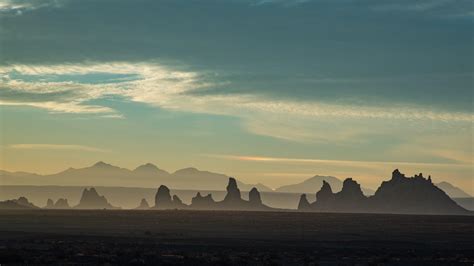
x=232, y=238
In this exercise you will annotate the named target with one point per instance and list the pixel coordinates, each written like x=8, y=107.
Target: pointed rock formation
x=49, y=204
x=143, y=205
x=178, y=203
x=349, y=199
x=203, y=203
x=62, y=204
x=163, y=199
x=350, y=192
x=254, y=197
x=325, y=193
x=92, y=200
x=303, y=204
x=233, y=192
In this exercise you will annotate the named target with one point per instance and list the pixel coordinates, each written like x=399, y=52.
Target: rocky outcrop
x=23, y=201
x=303, y=204
x=20, y=203
x=49, y=204
x=413, y=195
x=232, y=200
x=143, y=205
x=349, y=199
x=325, y=194
x=60, y=204
x=163, y=199
x=200, y=202
x=254, y=197
x=417, y=195
x=233, y=192
x=90, y=199
x=178, y=202
x=16, y=204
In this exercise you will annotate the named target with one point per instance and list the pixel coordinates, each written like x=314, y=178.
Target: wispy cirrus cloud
x=17, y=7
x=69, y=88
x=58, y=147
x=325, y=161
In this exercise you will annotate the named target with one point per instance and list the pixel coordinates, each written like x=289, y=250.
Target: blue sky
x=345, y=88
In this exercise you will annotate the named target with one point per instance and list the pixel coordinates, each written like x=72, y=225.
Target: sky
x=267, y=91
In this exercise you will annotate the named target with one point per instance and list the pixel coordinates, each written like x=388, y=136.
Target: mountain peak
x=187, y=170
x=101, y=164
x=147, y=167
x=453, y=191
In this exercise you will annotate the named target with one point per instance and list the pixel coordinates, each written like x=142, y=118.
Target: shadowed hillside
x=410, y=195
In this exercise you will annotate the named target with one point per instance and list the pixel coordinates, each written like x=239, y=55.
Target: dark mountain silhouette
x=92, y=200
x=20, y=203
x=202, y=203
x=163, y=199
x=254, y=197
x=304, y=204
x=413, y=195
x=311, y=185
x=453, y=191
x=232, y=200
x=60, y=204
x=349, y=199
x=143, y=205
x=49, y=204
x=401, y=194
x=23, y=201
x=147, y=175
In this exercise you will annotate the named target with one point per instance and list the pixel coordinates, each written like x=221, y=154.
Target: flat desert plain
x=232, y=238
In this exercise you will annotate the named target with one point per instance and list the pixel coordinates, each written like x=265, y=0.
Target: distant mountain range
x=452, y=191
x=400, y=195
x=149, y=175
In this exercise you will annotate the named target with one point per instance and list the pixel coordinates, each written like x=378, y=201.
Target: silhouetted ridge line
x=20, y=203
x=60, y=204
x=232, y=200
x=411, y=195
x=90, y=199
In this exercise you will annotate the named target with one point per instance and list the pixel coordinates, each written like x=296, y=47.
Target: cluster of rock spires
x=92, y=200
x=60, y=204
x=232, y=200
x=411, y=195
